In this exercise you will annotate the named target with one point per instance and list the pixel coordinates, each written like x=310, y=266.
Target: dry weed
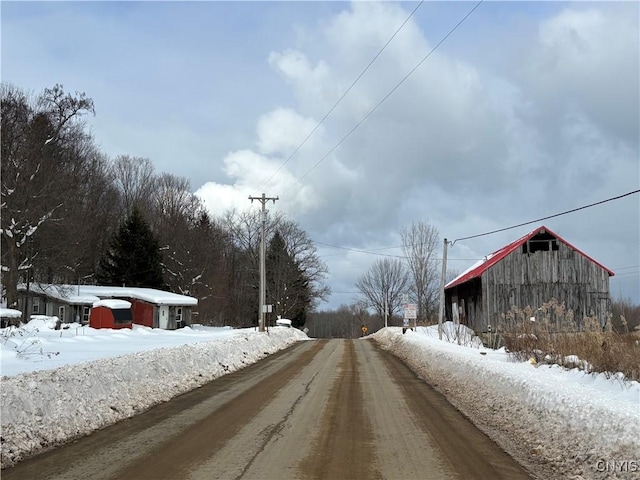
x=550, y=334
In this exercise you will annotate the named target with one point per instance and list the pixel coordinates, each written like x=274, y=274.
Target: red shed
x=111, y=313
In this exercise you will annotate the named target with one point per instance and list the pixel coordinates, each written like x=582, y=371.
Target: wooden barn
x=530, y=271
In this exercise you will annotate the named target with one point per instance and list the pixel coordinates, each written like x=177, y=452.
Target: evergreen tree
x=133, y=257
x=287, y=286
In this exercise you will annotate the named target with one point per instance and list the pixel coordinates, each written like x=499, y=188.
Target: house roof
x=89, y=294
x=477, y=269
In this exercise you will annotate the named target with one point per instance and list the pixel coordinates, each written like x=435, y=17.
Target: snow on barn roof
x=112, y=304
x=478, y=268
x=89, y=294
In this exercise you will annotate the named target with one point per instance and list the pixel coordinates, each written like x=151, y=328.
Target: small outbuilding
x=9, y=316
x=111, y=314
x=530, y=271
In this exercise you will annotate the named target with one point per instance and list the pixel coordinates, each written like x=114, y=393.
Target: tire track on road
x=343, y=447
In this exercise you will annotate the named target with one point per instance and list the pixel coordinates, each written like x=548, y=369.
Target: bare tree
x=420, y=242
x=383, y=285
x=304, y=252
x=134, y=178
x=193, y=246
x=41, y=157
x=245, y=230
x=82, y=226
x=172, y=200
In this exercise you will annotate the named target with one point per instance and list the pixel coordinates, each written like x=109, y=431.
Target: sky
x=526, y=110
x=85, y=381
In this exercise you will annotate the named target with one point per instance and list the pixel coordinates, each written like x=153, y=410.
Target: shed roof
x=88, y=294
x=10, y=313
x=112, y=304
x=480, y=267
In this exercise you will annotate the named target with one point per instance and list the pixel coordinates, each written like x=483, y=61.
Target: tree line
x=73, y=215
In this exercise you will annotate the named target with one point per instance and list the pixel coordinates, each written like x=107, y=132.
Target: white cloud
x=282, y=130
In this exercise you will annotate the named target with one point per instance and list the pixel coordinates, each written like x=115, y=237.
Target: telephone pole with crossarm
x=261, y=306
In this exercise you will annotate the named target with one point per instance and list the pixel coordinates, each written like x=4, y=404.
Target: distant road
x=326, y=409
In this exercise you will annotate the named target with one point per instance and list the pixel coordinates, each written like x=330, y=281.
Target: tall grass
x=550, y=334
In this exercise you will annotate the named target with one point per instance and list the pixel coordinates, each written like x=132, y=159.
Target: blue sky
x=528, y=109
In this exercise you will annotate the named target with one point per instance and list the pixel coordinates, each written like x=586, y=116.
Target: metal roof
x=480, y=267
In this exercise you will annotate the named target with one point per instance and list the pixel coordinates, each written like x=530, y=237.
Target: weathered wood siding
x=531, y=279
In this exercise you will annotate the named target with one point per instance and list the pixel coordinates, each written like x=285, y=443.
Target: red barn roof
x=479, y=268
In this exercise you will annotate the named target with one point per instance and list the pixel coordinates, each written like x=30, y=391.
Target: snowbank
x=51, y=407
x=564, y=423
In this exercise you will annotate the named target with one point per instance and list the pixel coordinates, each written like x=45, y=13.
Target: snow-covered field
x=564, y=422
x=61, y=384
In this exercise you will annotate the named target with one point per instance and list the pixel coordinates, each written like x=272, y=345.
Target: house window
x=178, y=317
x=61, y=313
x=36, y=305
x=85, y=314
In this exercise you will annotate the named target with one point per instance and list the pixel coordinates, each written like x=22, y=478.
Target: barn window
x=542, y=242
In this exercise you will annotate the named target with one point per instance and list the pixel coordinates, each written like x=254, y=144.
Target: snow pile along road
x=51, y=407
x=563, y=423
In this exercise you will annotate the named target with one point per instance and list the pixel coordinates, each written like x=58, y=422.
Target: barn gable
x=540, y=239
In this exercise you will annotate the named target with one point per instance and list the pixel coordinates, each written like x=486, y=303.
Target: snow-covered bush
x=24, y=340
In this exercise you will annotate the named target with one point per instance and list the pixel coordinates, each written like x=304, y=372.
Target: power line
x=368, y=252
x=343, y=95
x=546, y=218
x=357, y=125
x=372, y=252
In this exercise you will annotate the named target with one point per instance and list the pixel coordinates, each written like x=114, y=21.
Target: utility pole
x=386, y=309
x=261, y=306
x=442, y=283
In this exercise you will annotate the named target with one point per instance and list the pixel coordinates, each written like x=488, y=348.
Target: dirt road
x=338, y=409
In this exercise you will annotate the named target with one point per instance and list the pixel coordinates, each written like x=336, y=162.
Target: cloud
x=585, y=61
x=282, y=130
